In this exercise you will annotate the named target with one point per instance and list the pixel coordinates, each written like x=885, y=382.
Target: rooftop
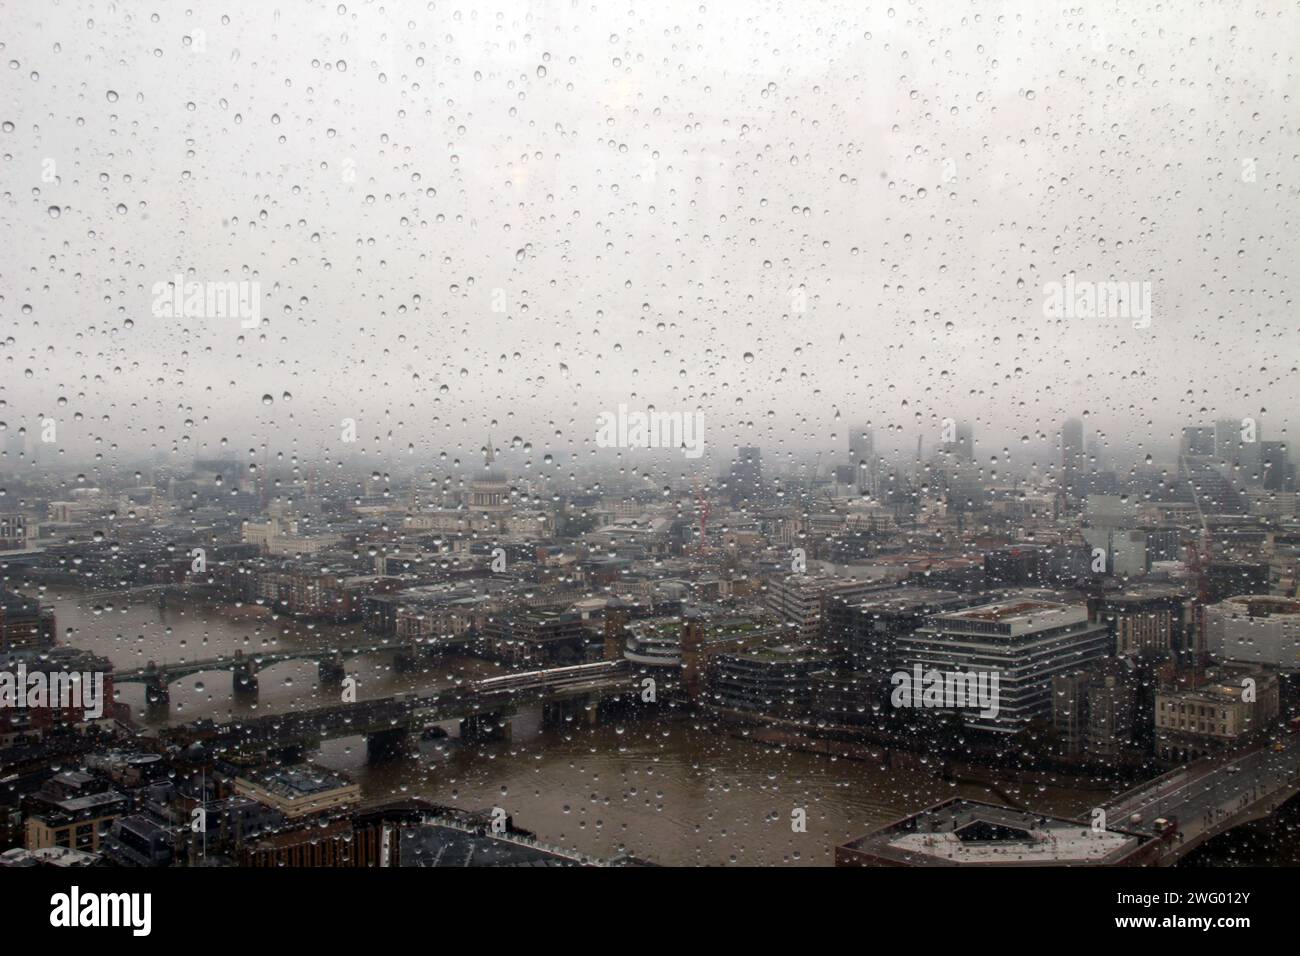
x=295, y=783
x=1260, y=605
x=908, y=600
x=778, y=653
x=435, y=845
x=1010, y=611
x=60, y=856
x=90, y=802
x=971, y=833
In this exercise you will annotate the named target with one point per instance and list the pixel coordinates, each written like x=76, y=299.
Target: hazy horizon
x=511, y=220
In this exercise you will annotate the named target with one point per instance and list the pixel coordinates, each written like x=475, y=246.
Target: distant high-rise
x=1226, y=438
x=1072, y=457
x=1094, y=459
x=1238, y=450
x=961, y=442
x=955, y=472
x=862, y=456
x=1197, y=440
x=745, y=482
x=1276, y=466
x=1207, y=484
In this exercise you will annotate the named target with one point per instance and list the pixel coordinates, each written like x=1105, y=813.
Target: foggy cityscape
x=736, y=435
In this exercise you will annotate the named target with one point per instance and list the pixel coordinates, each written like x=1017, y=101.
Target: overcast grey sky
x=640, y=187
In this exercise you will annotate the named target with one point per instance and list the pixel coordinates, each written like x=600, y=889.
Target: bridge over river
x=1210, y=796
x=483, y=708
x=244, y=668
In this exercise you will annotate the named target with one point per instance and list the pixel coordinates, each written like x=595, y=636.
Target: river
x=673, y=791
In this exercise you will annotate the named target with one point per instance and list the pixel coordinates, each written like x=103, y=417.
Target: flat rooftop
x=1009, y=611
x=908, y=600
x=90, y=802
x=971, y=833
x=434, y=845
x=296, y=782
x=778, y=654
x=1264, y=605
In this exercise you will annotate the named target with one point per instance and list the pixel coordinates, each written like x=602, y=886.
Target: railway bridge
x=483, y=708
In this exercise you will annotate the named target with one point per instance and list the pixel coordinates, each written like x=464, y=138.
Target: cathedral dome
x=489, y=492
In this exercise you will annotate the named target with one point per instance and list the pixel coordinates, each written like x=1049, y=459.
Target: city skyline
x=546, y=435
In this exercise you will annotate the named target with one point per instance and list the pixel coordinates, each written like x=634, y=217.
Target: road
x=1206, y=794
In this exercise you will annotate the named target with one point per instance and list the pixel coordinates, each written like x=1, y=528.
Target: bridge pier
x=245, y=675
x=626, y=706
x=156, y=694
x=558, y=713
x=571, y=710
x=387, y=744
x=483, y=728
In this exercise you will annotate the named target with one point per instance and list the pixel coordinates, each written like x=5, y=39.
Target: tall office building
x=1226, y=437
x=862, y=456
x=1239, y=451
x=1197, y=440
x=955, y=472
x=745, y=482
x=1215, y=493
x=1094, y=455
x=1278, y=472
x=1024, y=640
x=1094, y=709
x=962, y=445
x=1072, y=458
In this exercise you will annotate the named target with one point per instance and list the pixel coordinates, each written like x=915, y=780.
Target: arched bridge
x=244, y=668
